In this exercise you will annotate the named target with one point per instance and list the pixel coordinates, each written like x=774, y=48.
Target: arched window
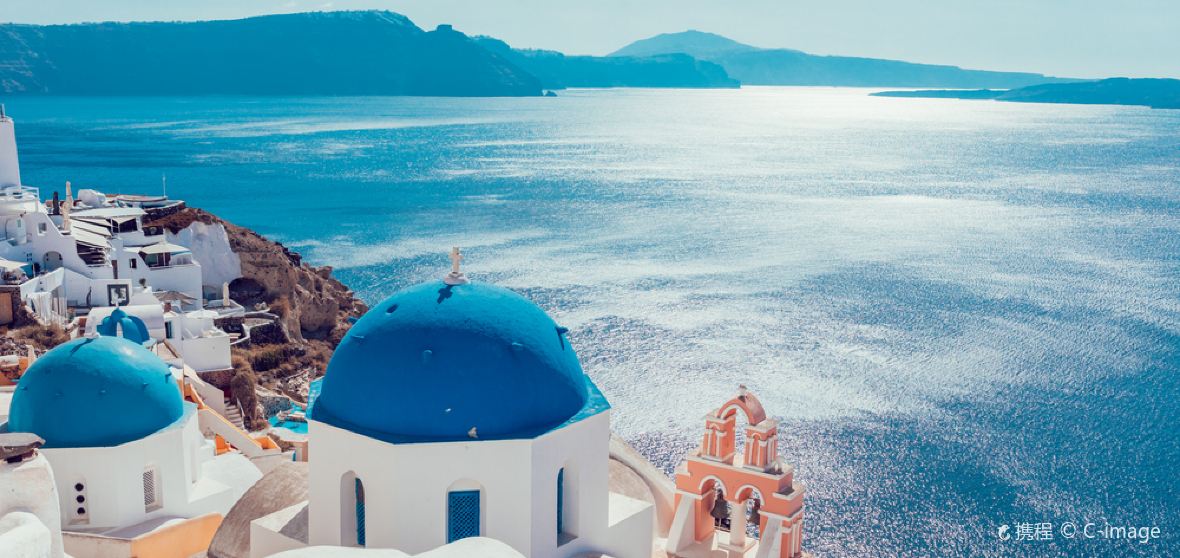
x=560, y=501
x=352, y=510
x=463, y=515
x=360, y=512
x=567, y=503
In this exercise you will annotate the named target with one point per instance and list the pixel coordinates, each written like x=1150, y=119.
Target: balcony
x=20, y=199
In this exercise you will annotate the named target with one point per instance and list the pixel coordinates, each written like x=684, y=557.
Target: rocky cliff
x=312, y=303
x=314, y=309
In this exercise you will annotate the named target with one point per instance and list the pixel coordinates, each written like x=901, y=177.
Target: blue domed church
x=126, y=450
x=456, y=409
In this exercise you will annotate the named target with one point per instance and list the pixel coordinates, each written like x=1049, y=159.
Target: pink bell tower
x=717, y=494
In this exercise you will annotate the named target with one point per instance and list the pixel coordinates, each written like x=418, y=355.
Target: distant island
x=559, y=71
x=1155, y=93
x=760, y=66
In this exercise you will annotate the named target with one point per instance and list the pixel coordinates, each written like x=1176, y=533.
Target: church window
x=151, y=490
x=79, y=517
x=560, y=501
x=462, y=514
x=360, y=512
x=567, y=503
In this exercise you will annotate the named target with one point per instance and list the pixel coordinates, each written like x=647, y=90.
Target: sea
x=965, y=315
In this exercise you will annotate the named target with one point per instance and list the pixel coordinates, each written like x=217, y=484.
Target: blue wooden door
x=560, y=501
x=462, y=514
x=360, y=513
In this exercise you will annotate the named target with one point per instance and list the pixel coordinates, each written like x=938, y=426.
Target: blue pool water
x=965, y=314
x=298, y=426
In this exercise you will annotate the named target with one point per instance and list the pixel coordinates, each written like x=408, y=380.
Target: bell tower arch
x=755, y=485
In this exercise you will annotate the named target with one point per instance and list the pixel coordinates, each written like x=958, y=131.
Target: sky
x=1075, y=38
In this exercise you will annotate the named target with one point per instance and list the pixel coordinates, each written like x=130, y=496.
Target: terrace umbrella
x=175, y=298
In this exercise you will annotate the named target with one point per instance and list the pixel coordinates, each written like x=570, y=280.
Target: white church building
x=453, y=410
x=126, y=449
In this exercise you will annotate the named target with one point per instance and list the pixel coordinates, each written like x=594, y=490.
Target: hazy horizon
x=1086, y=38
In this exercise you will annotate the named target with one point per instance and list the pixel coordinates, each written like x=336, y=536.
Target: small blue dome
x=434, y=361
x=131, y=327
x=97, y=392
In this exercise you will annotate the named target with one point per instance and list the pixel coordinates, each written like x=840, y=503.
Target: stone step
x=234, y=415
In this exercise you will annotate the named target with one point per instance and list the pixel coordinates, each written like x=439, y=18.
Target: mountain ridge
x=366, y=52
x=559, y=71
x=761, y=66
x=375, y=52
x=316, y=53
x=692, y=42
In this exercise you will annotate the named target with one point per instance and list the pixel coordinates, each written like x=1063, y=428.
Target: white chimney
x=9, y=166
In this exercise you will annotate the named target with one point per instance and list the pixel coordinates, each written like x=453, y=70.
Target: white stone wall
x=151, y=314
x=181, y=278
x=44, y=295
x=406, y=488
x=206, y=353
x=267, y=536
x=113, y=479
x=632, y=528
x=210, y=247
x=213, y=397
x=42, y=236
x=9, y=163
x=583, y=449
x=80, y=289
x=30, y=521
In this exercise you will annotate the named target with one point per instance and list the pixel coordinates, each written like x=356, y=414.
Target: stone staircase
x=234, y=415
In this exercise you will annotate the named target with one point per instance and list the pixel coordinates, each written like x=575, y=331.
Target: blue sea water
x=965, y=314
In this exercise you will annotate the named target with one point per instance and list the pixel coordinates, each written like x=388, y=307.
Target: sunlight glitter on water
x=959, y=310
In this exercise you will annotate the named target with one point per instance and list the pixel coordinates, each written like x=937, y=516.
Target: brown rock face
x=314, y=312
x=312, y=303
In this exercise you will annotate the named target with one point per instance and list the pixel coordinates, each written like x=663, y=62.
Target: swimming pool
x=299, y=427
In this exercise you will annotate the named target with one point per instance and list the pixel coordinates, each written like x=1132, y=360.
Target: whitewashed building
x=455, y=410
x=105, y=251
x=126, y=450
x=43, y=294
x=193, y=336
x=30, y=519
